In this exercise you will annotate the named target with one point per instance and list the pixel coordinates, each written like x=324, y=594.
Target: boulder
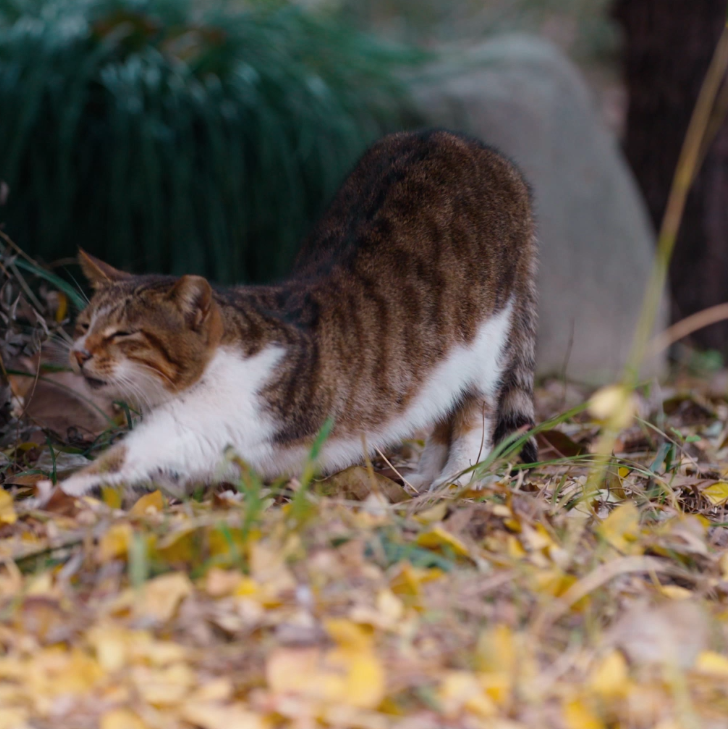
x=521, y=95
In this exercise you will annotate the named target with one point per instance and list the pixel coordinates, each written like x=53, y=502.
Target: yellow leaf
x=111, y=496
x=579, y=716
x=515, y=548
x=609, y=677
x=219, y=583
x=497, y=686
x=7, y=511
x=621, y=527
x=433, y=514
x=42, y=584
x=148, y=504
x=496, y=650
x=163, y=686
x=13, y=719
x=717, y=494
x=460, y=691
x=121, y=719
x=219, y=689
x=613, y=403
x=161, y=596
x=110, y=645
x=389, y=605
x=364, y=677
x=339, y=676
x=348, y=634
x=408, y=580
x=623, y=472
x=712, y=663
x=114, y=543
x=439, y=538
x=675, y=592
x=208, y=715
x=178, y=546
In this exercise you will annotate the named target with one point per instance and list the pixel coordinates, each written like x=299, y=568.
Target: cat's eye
x=122, y=334
x=82, y=327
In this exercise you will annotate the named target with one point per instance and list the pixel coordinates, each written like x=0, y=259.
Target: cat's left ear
x=98, y=273
x=193, y=296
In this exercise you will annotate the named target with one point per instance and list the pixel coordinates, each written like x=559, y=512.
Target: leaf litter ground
x=350, y=602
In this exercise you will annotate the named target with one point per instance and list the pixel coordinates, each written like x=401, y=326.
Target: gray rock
x=521, y=95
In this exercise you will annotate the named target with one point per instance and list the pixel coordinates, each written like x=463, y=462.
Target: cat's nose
x=82, y=356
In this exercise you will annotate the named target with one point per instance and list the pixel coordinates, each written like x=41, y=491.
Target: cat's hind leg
x=433, y=457
x=471, y=439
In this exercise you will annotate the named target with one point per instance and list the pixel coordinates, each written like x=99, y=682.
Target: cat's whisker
x=155, y=372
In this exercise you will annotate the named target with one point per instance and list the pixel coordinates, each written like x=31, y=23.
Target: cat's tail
x=515, y=400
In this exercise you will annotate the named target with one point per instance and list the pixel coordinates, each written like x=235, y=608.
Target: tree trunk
x=668, y=47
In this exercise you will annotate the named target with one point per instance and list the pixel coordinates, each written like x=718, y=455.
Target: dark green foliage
x=163, y=139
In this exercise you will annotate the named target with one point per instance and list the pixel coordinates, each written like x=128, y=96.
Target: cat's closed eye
x=122, y=334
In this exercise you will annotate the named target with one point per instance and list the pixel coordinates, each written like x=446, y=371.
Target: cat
x=411, y=305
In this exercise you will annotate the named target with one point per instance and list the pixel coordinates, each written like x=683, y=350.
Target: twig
x=386, y=460
x=687, y=326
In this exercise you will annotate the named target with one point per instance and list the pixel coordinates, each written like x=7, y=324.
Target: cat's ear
x=98, y=273
x=193, y=296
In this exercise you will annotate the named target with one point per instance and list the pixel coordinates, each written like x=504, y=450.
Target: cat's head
x=143, y=338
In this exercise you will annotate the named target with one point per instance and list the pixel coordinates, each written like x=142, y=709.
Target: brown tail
x=515, y=400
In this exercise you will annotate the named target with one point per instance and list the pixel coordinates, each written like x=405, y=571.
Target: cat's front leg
x=110, y=469
x=162, y=447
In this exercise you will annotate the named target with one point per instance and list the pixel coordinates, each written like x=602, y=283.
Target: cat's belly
x=475, y=368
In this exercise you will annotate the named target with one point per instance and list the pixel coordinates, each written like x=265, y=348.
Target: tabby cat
x=411, y=305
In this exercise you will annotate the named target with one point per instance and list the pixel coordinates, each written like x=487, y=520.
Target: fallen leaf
x=148, y=504
x=439, y=538
x=347, y=676
x=161, y=596
x=207, y=715
x=621, y=528
x=7, y=511
x=717, y=494
x=121, y=719
x=462, y=691
x=712, y=663
x=672, y=633
x=114, y=542
x=609, y=678
x=357, y=484
x=560, y=444
x=577, y=715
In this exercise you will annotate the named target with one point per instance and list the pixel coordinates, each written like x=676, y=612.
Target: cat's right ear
x=98, y=273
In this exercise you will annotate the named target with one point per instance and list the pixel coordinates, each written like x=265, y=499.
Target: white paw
x=79, y=485
x=418, y=481
x=454, y=480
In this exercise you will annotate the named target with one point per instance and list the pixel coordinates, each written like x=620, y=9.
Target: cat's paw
x=43, y=491
x=419, y=482
x=462, y=480
x=80, y=484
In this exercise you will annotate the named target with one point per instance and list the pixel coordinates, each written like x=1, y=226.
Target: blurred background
x=199, y=136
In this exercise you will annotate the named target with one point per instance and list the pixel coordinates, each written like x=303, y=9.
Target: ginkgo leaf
x=609, y=678
x=621, y=528
x=7, y=511
x=717, y=493
x=440, y=538
x=148, y=504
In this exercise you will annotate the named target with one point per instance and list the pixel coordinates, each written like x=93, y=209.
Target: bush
x=166, y=139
